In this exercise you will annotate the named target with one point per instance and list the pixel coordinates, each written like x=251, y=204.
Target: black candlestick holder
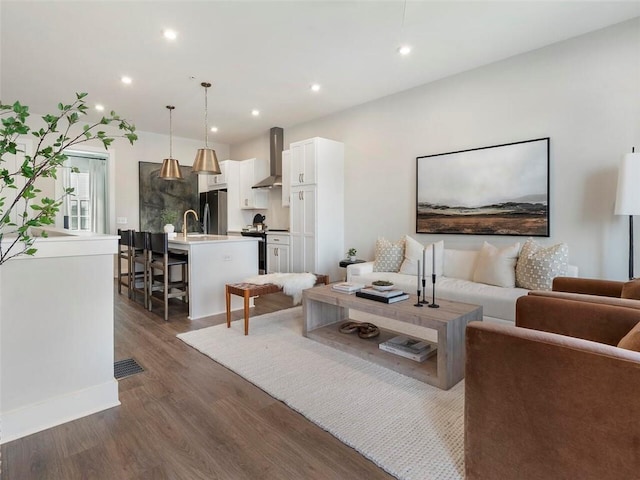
x=433, y=301
x=424, y=292
x=418, y=304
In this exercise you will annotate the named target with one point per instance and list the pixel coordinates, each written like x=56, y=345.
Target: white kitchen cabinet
x=235, y=215
x=278, y=253
x=251, y=172
x=216, y=182
x=317, y=211
x=303, y=162
x=286, y=177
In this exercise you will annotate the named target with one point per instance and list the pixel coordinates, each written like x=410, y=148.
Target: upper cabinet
x=286, y=178
x=303, y=166
x=251, y=172
x=216, y=182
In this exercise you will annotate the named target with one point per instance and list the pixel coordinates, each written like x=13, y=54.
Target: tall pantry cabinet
x=316, y=210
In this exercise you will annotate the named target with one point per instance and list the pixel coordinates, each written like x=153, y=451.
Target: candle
x=418, y=274
x=433, y=259
x=424, y=263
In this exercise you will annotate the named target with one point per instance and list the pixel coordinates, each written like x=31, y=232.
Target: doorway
x=86, y=209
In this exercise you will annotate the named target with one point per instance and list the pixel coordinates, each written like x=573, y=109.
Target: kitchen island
x=215, y=260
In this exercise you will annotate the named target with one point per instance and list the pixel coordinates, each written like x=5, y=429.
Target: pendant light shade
x=206, y=162
x=170, y=169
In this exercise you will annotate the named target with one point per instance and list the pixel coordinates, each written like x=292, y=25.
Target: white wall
x=583, y=93
x=150, y=147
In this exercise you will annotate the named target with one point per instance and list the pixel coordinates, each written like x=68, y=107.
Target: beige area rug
x=411, y=430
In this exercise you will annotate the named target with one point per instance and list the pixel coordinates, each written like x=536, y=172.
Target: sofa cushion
x=460, y=263
x=496, y=266
x=631, y=289
x=631, y=341
x=388, y=255
x=414, y=251
x=537, y=266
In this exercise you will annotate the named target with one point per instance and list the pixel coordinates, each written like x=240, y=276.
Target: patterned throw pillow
x=389, y=256
x=537, y=265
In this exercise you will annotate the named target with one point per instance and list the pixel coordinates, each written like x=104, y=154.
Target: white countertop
x=199, y=238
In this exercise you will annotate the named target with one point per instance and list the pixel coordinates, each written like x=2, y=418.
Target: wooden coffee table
x=325, y=309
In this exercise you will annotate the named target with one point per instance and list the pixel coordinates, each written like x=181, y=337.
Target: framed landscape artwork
x=498, y=190
x=157, y=194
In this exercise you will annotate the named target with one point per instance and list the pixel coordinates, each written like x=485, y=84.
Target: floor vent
x=126, y=368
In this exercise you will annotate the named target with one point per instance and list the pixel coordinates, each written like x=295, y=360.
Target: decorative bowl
x=383, y=288
x=382, y=285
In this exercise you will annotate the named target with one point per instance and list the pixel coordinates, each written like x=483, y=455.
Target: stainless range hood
x=276, y=143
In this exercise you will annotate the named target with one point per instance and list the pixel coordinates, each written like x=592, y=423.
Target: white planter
x=352, y=258
x=168, y=228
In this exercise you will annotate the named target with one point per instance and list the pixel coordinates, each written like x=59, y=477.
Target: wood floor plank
x=185, y=417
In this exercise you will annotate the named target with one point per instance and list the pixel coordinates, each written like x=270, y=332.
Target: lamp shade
x=628, y=192
x=170, y=169
x=206, y=162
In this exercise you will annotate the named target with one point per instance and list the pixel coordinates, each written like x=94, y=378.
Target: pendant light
x=170, y=169
x=206, y=162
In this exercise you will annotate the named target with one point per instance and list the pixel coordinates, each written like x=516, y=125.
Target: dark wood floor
x=185, y=417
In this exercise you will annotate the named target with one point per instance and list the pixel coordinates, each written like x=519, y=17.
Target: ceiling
x=263, y=54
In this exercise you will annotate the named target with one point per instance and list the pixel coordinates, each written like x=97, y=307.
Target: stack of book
x=418, y=350
x=347, y=287
x=386, y=296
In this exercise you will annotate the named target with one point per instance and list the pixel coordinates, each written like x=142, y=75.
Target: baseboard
x=40, y=416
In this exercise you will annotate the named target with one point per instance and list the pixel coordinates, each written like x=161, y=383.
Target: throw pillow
x=388, y=256
x=413, y=251
x=631, y=289
x=460, y=263
x=631, y=341
x=497, y=266
x=537, y=265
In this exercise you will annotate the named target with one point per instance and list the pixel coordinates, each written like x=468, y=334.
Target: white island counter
x=215, y=260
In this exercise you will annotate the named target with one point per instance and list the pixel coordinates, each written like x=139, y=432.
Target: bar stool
x=125, y=254
x=140, y=270
x=161, y=259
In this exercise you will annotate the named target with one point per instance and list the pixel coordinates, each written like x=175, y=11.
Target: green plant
x=168, y=216
x=352, y=252
x=28, y=208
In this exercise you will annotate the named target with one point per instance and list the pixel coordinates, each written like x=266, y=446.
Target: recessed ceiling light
x=404, y=50
x=315, y=87
x=126, y=80
x=214, y=129
x=170, y=34
x=255, y=112
x=99, y=107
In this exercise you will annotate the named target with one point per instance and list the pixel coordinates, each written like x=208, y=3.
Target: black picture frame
x=156, y=194
x=495, y=190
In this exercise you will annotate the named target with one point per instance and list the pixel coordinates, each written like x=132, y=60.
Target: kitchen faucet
x=184, y=222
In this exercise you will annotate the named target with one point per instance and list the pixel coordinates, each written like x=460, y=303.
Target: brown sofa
x=554, y=397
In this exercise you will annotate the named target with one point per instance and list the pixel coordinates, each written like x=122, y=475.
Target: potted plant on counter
x=168, y=217
x=351, y=254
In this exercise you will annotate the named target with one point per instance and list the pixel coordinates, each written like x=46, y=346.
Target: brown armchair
x=554, y=397
x=593, y=286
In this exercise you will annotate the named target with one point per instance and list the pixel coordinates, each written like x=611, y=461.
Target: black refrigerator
x=213, y=212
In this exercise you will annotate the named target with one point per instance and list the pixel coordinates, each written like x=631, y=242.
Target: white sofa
x=456, y=284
